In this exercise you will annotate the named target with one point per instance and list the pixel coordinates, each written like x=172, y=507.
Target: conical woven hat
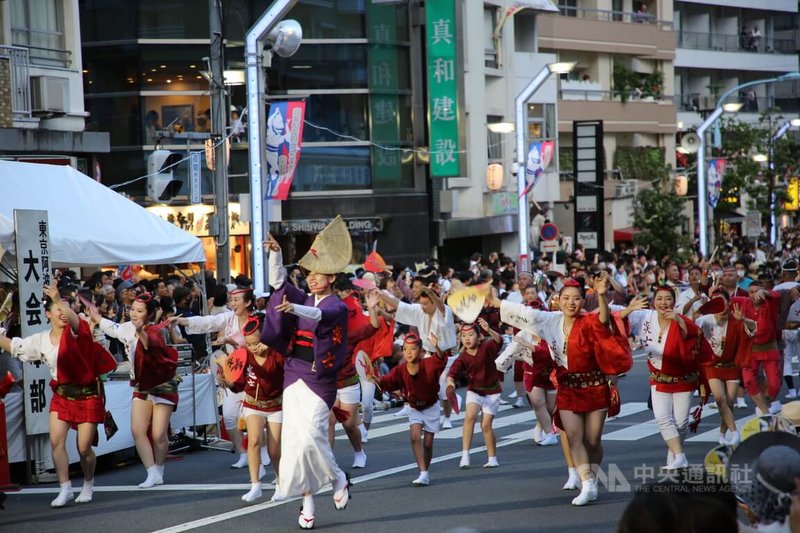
x=331, y=250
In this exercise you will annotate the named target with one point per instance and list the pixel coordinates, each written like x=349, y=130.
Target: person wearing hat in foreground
x=730, y=336
x=586, y=347
x=676, y=351
x=763, y=471
x=311, y=333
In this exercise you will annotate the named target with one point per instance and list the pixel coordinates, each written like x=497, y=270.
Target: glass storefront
x=359, y=102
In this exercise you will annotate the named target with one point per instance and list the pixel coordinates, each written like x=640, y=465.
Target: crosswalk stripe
x=713, y=434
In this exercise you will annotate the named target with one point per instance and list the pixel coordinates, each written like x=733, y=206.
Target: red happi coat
x=156, y=364
x=683, y=357
x=81, y=360
x=735, y=353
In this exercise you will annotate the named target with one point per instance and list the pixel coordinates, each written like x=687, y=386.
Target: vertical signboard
x=194, y=178
x=792, y=195
x=33, y=273
x=384, y=120
x=440, y=18
x=587, y=143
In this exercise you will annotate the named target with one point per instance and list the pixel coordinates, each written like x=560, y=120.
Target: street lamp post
x=256, y=100
x=702, y=202
x=519, y=121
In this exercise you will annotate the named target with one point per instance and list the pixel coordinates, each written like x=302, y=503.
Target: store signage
x=196, y=218
x=440, y=26
x=587, y=142
x=32, y=229
x=354, y=225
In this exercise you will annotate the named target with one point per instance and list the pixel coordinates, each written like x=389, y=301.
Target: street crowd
x=329, y=347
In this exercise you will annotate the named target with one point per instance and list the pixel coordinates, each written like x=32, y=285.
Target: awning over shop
x=625, y=234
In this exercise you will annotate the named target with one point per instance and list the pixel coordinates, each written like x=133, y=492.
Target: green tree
x=740, y=141
x=658, y=215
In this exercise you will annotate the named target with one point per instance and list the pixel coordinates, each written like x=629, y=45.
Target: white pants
x=790, y=348
x=671, y=410
x=367, y=388
x=307, y=461
x=231, y=408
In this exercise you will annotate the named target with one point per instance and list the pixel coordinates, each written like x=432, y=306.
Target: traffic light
x=161, y=185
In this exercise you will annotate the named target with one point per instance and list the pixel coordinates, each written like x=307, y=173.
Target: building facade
x=42, y=114
x=146, y=83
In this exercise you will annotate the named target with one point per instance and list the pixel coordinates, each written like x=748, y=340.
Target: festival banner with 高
x=284, y=136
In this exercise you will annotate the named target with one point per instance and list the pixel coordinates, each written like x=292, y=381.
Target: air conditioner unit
x=48, y=94
x=625, y=188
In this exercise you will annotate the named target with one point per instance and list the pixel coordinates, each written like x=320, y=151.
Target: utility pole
x=218, y=133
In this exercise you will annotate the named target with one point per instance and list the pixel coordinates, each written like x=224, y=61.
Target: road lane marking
x=202, y=522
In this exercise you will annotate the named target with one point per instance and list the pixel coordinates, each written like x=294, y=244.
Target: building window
x=491, y=42
x=39, y=26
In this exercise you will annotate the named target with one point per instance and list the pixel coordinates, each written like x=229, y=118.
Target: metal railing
x=50, y=56
x=611, y=96
x=614, y=16
x=19, y=62
x=734, y=43
x=692, y=102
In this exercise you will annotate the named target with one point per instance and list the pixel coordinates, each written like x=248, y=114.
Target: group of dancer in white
x=308, y=364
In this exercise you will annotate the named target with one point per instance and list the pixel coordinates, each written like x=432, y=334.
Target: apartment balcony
x=614, y=32
x=638, y=113
x=718, y=50
x=14, y=73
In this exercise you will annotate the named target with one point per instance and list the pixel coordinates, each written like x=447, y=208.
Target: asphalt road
x=203, y=494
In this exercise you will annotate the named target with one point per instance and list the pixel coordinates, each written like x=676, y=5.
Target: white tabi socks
x=155, y=476
x=265, y=460
x=359, y=459
x=64, y=495
x=574, y=480
x=242, y=462
x=86, y=493
x=254, y=494
x=588, y=493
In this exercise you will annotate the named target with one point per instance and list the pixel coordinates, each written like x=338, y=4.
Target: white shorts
x=350, y=394
x=157, y=400
x=429, y=418
x=272, y=416
x=489, y=403
x=443, y=377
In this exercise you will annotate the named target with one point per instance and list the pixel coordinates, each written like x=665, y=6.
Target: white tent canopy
x=91, y=225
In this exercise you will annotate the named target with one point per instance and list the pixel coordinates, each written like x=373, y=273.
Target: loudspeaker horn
x=690, y=143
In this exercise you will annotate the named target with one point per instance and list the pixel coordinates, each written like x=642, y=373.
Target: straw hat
x=791, y=411
x=331, y=250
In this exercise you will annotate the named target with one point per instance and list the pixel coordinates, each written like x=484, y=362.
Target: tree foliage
x=740, y=141
x=658, y=215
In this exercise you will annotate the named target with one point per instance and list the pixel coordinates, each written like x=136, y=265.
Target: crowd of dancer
x=327, y=346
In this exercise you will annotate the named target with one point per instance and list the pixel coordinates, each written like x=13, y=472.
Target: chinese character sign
x=33, y=266
x=384, y=104
x=716, y=170
x=540, y=154
x=284, y=134
x=442, y=87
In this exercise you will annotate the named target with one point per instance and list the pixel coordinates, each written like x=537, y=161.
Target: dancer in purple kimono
x=311, y=332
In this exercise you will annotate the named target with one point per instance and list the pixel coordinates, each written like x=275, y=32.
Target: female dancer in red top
x=262, y=384
x=676, y=352
x=75, y=363
x=586, y=348
x=731, y=337
x=155, y=393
